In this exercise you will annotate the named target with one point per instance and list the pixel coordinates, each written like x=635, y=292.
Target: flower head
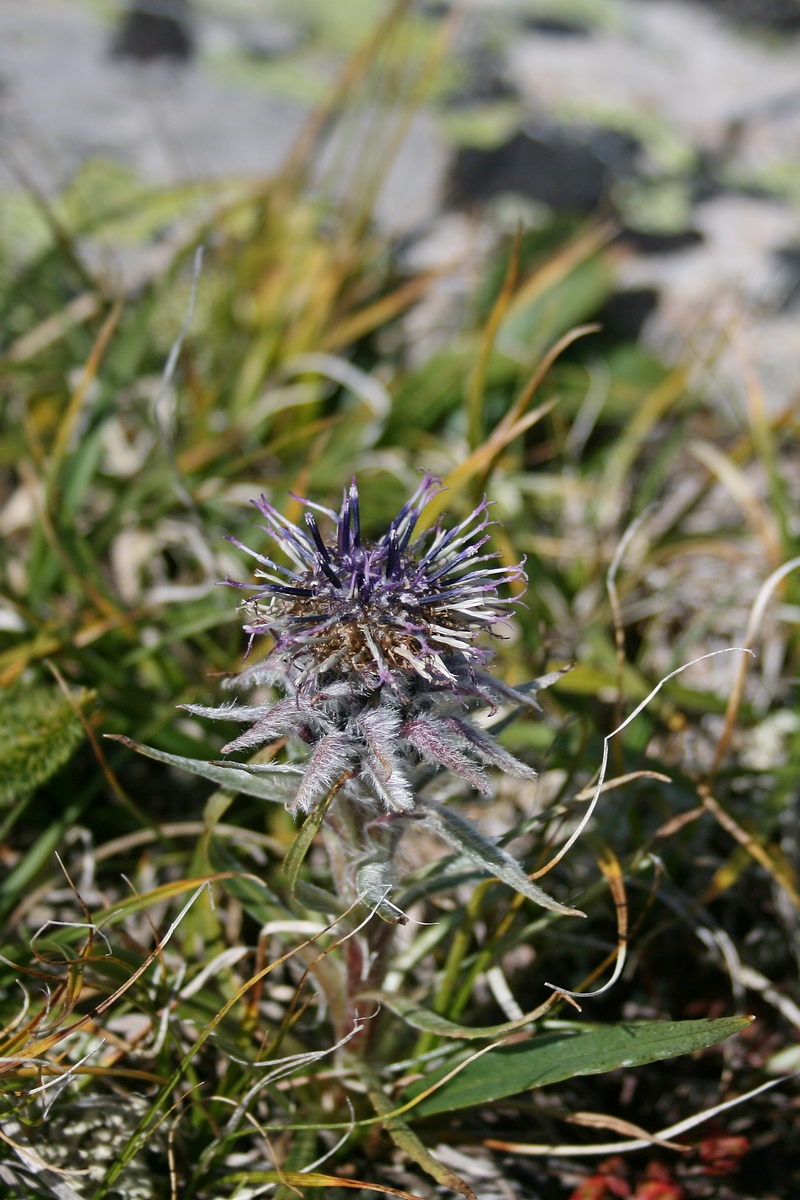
x=387, y=613
x=376, y=648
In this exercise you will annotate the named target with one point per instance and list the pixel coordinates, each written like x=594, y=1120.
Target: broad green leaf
x=556, y=1056
x=39, y=731
x=463, y=836
x=539, y=318
x=275, y=786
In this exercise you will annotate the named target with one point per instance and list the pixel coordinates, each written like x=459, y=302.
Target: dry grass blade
x=173, y=829
x=101, y=1072
x=734, y=480
x=540, y=371
x=379, y=313
x=154, y=1116
x=610, y=866
x=613, y=597
x=301, y=158
x=30, y=1156
x=610, y=784
x=675, y=824
x=43, y=1045
x=572, y=839
x=563, y=263
x=622, y=455
x=37, y=649
x=592, y=1120
x=754, y=621
x=476, y=385
x=302, y=368
x=754, y=848
x=627, y=1147
x=480, y=461
x=83, y=308
x=66, y=427
x=298, y=1179
x=765, y=987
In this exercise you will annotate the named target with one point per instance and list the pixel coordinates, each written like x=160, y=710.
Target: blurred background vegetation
x=170, y=352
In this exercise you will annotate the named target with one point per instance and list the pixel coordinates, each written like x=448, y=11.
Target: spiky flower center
x=381, y=611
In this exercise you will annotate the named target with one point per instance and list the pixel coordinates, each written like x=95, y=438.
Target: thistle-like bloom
x=383, y=613
x=377, y=650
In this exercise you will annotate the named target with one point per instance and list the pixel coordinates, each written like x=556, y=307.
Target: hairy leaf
x=332, y=756
x=488, y=750
x=39, y=731
x=436, y=743
x=276, y=786
x=317, y=899
x=463, y=836
x=374, y=883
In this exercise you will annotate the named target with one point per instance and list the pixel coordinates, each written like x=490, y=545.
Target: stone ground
x=667, y=113
x=64, y=99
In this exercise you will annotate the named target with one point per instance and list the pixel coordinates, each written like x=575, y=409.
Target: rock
x=485, y=80
x=67, y=101
x=569, y=169
x=555, y=27
x=769, y=14
x=789, y=263
x=259, y=41
x=624, y=313
x=646, y=242
x=668, y=64
x=271, y=39
x=723, y=301
x=154, y=29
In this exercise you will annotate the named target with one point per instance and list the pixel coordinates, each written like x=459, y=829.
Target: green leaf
x=39, y=731
x=40, y=852
x=317, y=899
x=463, y=836
x=556, y=1056
x=275, y=786
x=407, y=1140
x=302, y=842
x=439, y=881
x=374, y=883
